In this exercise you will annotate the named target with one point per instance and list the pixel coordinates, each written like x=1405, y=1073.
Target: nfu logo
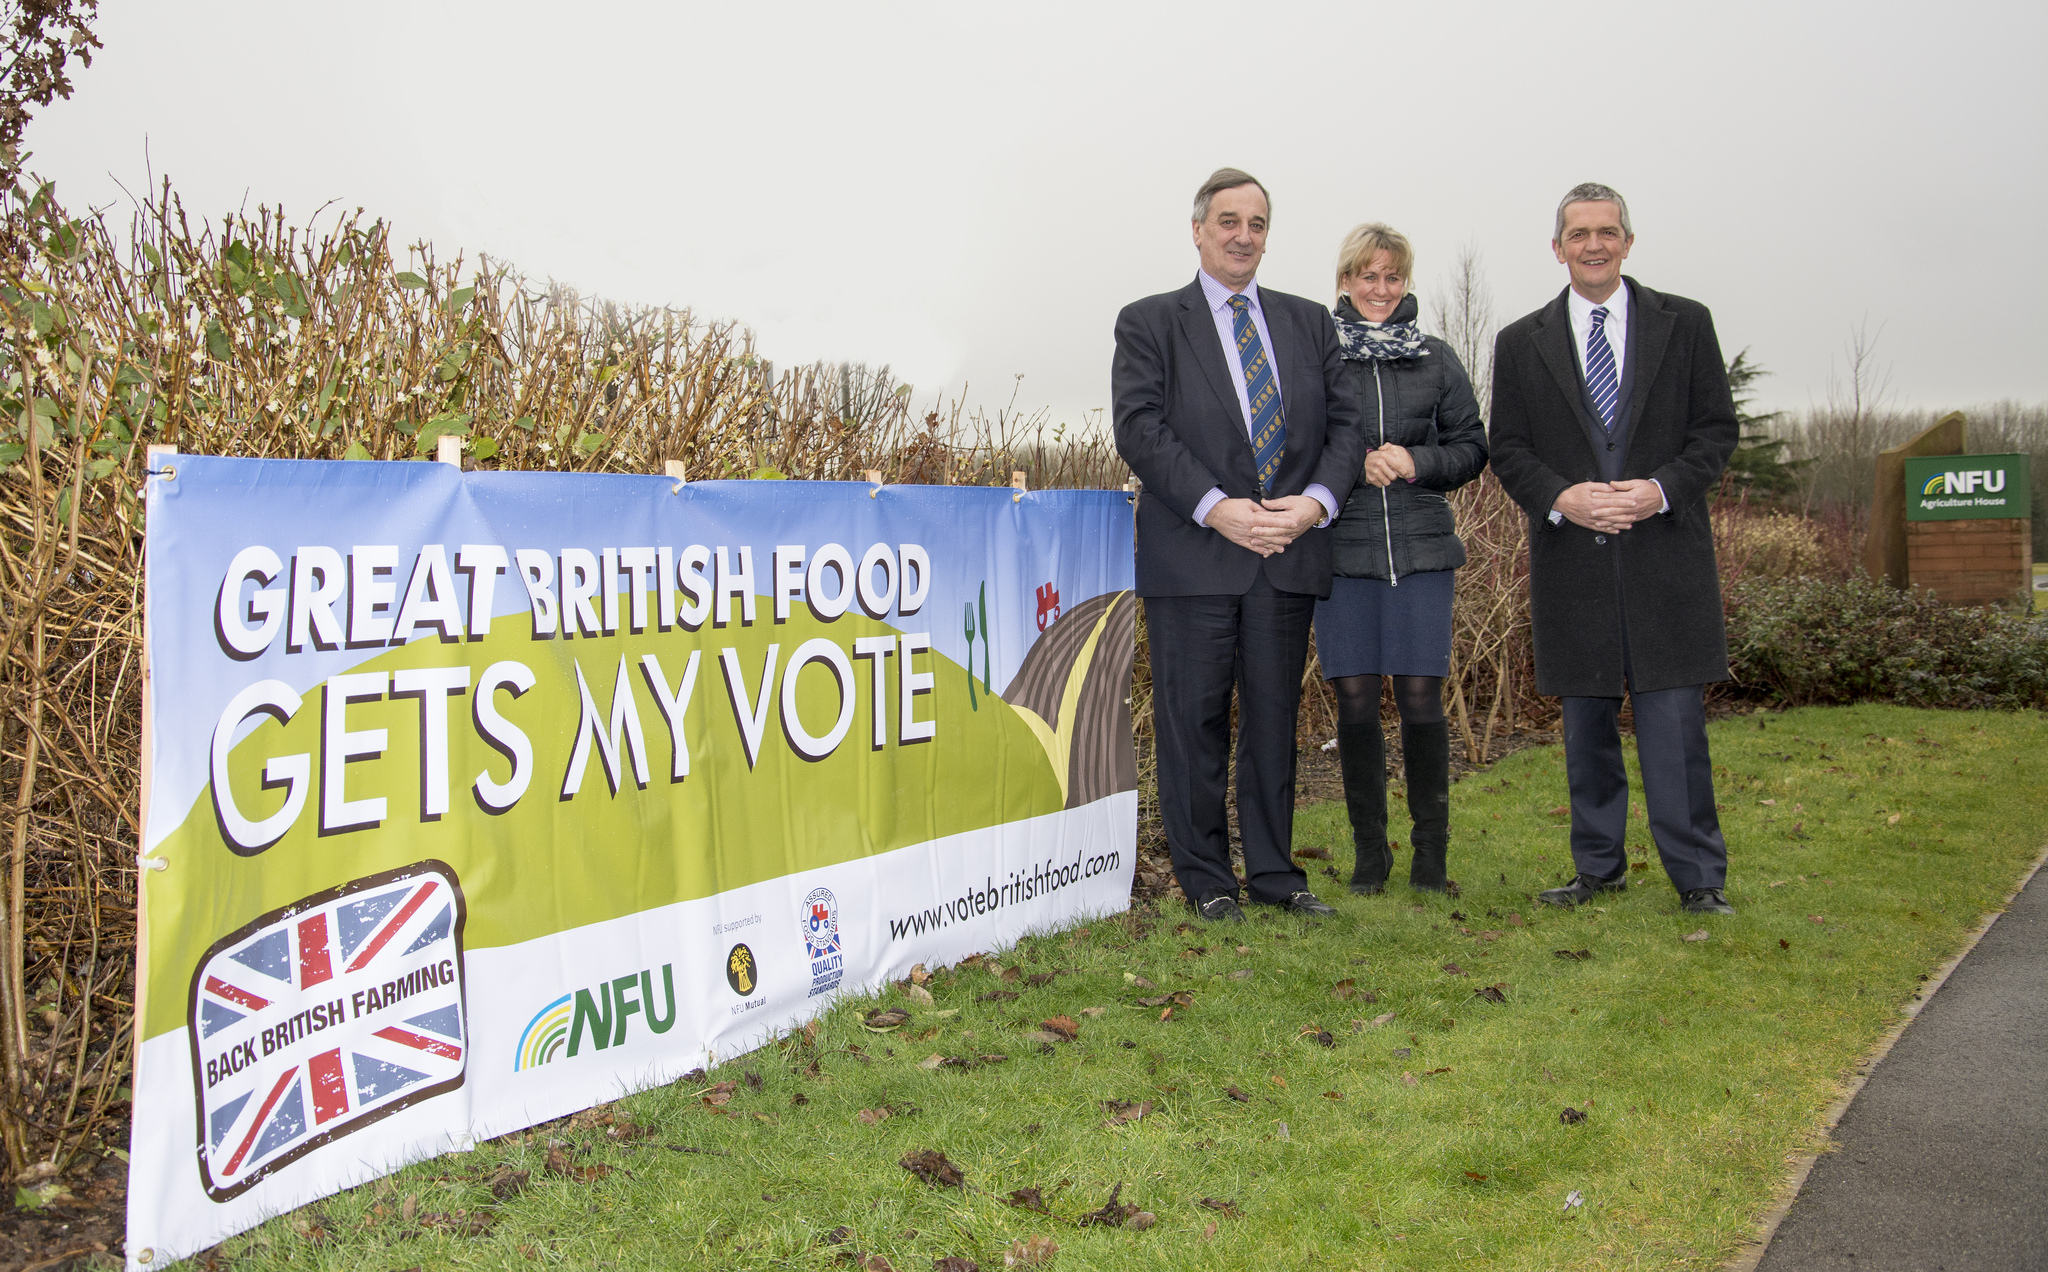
x=1968, y=482
x=595, y=1017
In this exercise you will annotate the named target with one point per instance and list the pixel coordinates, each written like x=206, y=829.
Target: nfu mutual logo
x=597, y=1017
x=1971, y=481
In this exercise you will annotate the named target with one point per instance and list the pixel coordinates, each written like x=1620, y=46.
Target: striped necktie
x=1269, y=427
x=1601, y=380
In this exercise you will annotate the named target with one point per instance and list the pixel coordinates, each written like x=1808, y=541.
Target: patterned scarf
x=1390, y=341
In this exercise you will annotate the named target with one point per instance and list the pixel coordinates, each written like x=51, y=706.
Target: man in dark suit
x=1612, y=420
x=1230, y=406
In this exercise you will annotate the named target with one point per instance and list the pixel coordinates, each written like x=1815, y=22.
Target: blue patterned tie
x=1269, y=428
x=1601, y=380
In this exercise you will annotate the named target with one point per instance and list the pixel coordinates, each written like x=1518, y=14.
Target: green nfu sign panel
x=1954, y=487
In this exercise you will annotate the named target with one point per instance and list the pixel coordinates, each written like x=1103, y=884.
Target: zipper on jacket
x=1386, y=513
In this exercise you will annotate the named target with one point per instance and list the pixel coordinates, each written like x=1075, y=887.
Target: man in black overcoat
x=1612, y=420
x=1230, y=406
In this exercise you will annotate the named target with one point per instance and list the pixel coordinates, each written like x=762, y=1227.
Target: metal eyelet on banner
x=152, y=863
x=169, y=472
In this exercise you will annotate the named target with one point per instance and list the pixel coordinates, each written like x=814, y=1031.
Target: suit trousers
x=1202, y=647
x=1678, y=786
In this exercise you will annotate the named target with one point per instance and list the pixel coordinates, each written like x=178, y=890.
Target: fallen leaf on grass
x=1408, y=1079
x=1113, y=1214
x=1573, y=1199
x=1030, y=1252
x=1228, y=1209
x=1237, y=1095
x=1576, y=955
x=1092, y=1012
x=1402, y=1053
x=1312, y=853
x=719, y=1096
x=1571, y=1116
x=1768, y=803
x=706, y=1152
x=1453, y=969
x=1700, y=935
x=1516, y=920
x=931, y=1166
x=997, y=996
x=1278, y=1081
x=1815, y=918
x=1064, y=1026
x=1209, y=1231
x=1381, y=1019
x=1784, y=944
x=935, y=1061
x=1475, y=1175
x=1491, y=993
x=884, y=1021
x=626, y=1132
x=508, y=1183
x=1045, y=1038
x=1027, y=1199
x=1892, y=820
x=1318, y=1035
x=1038, y=980
x=1344, y=990
x=463, y=1223
x=1242, y=973
x=1126, y=1111
x=1333, y=1095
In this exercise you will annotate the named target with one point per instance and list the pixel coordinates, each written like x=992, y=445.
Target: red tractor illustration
x=1048, y=605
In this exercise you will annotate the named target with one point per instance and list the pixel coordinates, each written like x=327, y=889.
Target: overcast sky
x=969, y=192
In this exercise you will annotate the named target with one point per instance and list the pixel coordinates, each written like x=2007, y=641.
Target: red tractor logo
x=1048, y=605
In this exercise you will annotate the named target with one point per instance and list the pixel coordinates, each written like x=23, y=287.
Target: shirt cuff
x=1660, y=493
x=1209, y=502
x=1556, y=517
x=1321, y=494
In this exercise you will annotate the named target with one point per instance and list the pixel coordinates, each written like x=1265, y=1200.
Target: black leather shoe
x=1309, y=905
x=1581, y=890
x=1221, y=908
x=1706, y=901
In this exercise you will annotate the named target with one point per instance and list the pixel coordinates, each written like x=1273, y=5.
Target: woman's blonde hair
x=1368, y=241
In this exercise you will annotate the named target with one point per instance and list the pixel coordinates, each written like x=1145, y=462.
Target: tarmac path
x=1941, y=1162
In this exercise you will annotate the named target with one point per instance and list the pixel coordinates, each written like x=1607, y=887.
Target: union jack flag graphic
x=325, y=1016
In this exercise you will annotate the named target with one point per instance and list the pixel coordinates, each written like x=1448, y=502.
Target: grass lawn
x=1424, y=1132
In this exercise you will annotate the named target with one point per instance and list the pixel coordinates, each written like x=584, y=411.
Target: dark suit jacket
x=1658, y=576
x=1179, y=428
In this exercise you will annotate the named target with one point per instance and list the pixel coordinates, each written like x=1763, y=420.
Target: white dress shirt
x=1615, y=329
x=1218, y=297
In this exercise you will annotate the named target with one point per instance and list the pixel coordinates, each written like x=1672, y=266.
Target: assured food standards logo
x=324, y=1016
x=823, y=945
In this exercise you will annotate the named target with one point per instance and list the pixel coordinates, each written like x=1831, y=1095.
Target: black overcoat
x=1180, y=429
x=1658, y=575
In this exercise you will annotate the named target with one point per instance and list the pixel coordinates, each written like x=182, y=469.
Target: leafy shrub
x=1819, y=640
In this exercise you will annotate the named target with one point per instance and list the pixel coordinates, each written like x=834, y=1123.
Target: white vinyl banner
x=515, y=810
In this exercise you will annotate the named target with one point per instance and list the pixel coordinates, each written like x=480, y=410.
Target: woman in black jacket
x=1389, y=609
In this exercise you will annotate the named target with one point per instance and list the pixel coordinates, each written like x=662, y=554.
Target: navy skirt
x=1373, y=627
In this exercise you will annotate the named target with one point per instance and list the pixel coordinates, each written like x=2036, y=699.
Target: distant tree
x=41, y=37
x=1758, y=466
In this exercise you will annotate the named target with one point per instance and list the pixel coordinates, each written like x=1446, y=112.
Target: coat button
x=1610, y=446
x=1599, y=538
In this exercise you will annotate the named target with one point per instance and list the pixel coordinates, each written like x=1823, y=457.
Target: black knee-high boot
x=1426, y=754
x=1362, y=755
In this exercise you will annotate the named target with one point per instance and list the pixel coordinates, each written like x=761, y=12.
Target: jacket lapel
x=1554, y=344
x=1198, y=328
x=1649, y=332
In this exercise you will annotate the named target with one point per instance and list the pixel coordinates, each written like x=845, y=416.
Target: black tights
x=1420, y=699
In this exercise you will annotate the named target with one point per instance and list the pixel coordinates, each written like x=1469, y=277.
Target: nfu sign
x=1955, y=487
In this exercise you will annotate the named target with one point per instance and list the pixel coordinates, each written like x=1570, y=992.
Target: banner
x=474, y=799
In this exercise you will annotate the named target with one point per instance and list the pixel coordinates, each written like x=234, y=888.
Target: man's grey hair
x=1226, y=179
x=1592, y=192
